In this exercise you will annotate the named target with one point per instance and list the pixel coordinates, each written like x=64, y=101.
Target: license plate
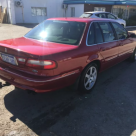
x=9, y=59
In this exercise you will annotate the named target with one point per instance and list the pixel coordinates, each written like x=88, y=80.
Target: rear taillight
x=41, y=64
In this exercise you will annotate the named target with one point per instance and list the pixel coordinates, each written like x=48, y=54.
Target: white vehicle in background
x=101, y=14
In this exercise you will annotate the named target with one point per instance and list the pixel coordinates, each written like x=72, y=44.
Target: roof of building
x=104, y=2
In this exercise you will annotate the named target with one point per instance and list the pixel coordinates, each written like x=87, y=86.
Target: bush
x=120, y=15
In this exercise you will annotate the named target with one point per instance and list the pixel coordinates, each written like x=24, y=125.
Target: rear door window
x=101, y=15
x=107, y=31
x=91, y=36
x=98, y=33
x=120, y=31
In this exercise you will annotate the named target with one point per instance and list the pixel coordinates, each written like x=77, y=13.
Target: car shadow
x=40, y=112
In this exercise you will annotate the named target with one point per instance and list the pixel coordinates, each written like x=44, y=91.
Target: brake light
x=41, y=64
x=21, y=60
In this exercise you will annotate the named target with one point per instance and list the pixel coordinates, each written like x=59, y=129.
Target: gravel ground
x=109, y=110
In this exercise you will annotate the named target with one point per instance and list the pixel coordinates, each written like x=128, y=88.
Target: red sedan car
x=60, y=51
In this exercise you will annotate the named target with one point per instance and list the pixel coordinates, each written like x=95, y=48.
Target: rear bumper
x=39, y=85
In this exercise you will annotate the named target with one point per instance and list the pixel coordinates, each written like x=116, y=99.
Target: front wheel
x=88, y=78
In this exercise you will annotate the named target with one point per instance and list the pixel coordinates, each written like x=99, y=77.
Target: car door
x=109, y=48
x=126, y=44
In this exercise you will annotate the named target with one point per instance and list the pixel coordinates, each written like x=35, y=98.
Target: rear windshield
x=65, y=32
x=86, y=15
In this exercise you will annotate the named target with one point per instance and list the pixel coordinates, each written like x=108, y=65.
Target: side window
x=107, y=32
x=91, y=35
x=97, y=15
x=102, y=15
x=98, y=34
x=110, y=16
x=120, y=31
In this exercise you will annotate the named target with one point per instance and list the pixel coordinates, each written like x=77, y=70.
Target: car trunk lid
x=30, y=49
x=34, y=47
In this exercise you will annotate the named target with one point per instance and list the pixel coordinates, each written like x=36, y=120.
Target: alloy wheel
x=90, y=78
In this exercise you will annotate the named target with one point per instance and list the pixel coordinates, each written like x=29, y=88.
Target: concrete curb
x=129, y=26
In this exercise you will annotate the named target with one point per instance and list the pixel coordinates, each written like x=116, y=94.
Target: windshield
x=86, y=15
x=66, y=32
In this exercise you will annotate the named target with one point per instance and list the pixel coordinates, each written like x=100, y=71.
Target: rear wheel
x=133, y=56
x=88, y=78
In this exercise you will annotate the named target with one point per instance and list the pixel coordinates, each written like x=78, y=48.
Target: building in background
x=35, y=11
x=7, y=6
x=121, y=8
x=32, y=11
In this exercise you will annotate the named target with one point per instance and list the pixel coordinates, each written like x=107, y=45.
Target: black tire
x=133, y=56
x=85, y=79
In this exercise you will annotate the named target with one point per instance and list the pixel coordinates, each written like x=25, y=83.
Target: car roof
x=97, y=12
x=80, y=19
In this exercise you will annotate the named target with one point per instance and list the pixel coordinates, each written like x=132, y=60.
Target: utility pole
x=126, y=15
